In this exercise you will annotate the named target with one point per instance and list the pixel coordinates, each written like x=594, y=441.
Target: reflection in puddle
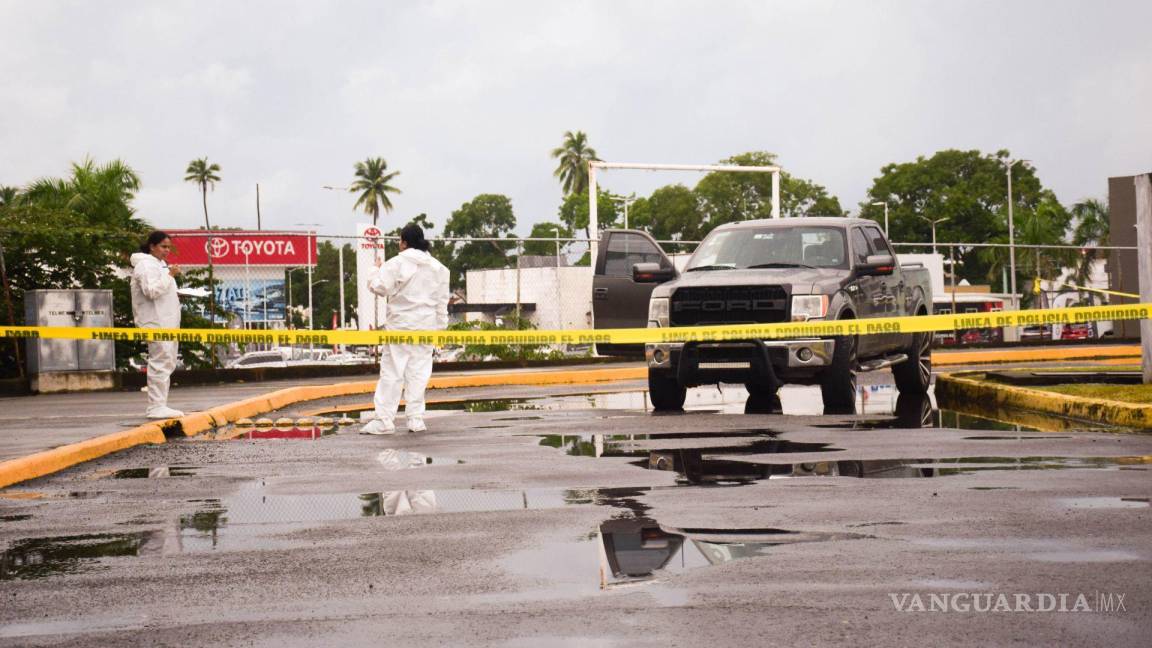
x=392, y=459
x=635, y=549
x=694, y=466
x=157, y=472
x=641, y=445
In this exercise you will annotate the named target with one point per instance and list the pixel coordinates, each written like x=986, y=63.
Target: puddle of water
x=641, y=445
x=392, y=459
x=156, y=472
x=635, y=549
x=694, y=466
x=1107, y=502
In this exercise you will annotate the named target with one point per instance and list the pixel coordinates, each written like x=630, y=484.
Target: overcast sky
x=466, y=98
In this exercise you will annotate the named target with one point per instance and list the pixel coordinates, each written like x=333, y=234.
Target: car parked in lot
x=766, y=271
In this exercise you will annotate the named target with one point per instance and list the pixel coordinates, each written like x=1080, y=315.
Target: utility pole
x=258, y=227
x=930, y=221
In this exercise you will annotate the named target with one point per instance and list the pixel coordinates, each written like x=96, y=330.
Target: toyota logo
x=216, y=247
x=372, y=232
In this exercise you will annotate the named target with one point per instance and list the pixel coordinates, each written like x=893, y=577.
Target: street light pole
x=1011, y=234
x=885, y=205
x=933, y=223
x=627, y=200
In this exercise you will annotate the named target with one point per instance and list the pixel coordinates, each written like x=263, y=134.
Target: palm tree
x=574, y=156
x=372, y=182
x=205, y=176
x=8, y=195
x=1091, y=229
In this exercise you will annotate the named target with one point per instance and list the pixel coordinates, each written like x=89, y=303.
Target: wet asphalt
x=577, y=517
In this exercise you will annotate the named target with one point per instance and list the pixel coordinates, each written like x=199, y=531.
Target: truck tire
x=666, y=392
x=914, y=375
x=838, y=381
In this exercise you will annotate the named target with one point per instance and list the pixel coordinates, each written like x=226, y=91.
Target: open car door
x=617, y=300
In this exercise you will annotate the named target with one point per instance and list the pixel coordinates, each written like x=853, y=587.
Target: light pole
x=885, y=205
x=933, y=223
x=1012, y=232
x=308, y=242
x=627, y=200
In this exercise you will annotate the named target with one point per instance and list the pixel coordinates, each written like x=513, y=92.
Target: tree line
x=75, y=230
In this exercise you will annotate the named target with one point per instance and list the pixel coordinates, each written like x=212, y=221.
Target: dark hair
x=155, y=238
x=413, y=237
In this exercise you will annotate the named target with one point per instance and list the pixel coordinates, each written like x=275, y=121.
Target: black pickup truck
x=765, y=271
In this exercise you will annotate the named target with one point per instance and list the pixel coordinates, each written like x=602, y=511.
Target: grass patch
x=1141, y=394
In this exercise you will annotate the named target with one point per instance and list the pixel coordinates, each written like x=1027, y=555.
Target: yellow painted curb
x=56, y=459
x=1042, y=354
x=967, y=387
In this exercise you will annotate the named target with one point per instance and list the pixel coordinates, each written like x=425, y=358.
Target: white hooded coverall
x=155, y=304
x=416, y=287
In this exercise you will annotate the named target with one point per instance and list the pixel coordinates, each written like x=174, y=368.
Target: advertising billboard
x=239, y=248
x=251, y=300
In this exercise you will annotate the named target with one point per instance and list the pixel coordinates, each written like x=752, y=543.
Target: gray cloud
x=465, y=98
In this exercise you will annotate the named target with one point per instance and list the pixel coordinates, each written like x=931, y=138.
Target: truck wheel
x=838, y=382
x=666, y=393
x=915, y=374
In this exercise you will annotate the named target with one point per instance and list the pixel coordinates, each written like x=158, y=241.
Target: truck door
x=869, y=291
x=617, y=301
x=891, y=288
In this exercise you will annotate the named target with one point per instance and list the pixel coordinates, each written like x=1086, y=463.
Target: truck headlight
x=807, y=307
x=658, y=312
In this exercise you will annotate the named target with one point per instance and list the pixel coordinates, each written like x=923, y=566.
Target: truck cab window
x=879, y=245
x=859, y=246
x=626, y=250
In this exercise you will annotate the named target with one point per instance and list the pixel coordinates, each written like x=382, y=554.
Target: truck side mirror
x=875, y=265
x=652, y=273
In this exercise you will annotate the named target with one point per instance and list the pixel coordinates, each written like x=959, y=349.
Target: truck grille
x=729, y=305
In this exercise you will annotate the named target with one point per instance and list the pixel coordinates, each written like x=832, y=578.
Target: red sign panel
x=193, y=247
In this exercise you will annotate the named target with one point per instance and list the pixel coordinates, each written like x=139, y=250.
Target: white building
x=550, y=297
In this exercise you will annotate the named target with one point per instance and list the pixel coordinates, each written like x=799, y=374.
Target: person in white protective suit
x=155, y=304
x=416, y=287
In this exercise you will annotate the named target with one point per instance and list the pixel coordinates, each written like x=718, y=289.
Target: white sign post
x=370, y=308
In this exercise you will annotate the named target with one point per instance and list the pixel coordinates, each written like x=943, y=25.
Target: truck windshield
x=771, y=247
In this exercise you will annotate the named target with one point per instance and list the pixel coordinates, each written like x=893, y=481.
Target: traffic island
x=1126, y=407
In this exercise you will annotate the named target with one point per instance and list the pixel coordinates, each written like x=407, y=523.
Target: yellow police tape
x=885, y=325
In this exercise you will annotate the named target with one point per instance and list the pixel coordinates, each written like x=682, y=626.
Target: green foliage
x=205, y=176
x=70, y=232
x=1091, y=228
x=574, y=211
x=326, y=285
x=672, y=212
x=373, y=184
x=546, y=230
x=485, y=216
x=503, y=351
x=574, y=155
x=726, y=197
x=967, y=187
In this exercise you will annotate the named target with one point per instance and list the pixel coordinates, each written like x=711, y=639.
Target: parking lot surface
x=577, y=516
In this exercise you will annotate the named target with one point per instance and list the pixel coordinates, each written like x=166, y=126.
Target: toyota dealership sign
x=237, y=248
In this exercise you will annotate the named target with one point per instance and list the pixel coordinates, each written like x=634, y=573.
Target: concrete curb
x=50, y=461
x=1041, y=354
x=965, y=387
